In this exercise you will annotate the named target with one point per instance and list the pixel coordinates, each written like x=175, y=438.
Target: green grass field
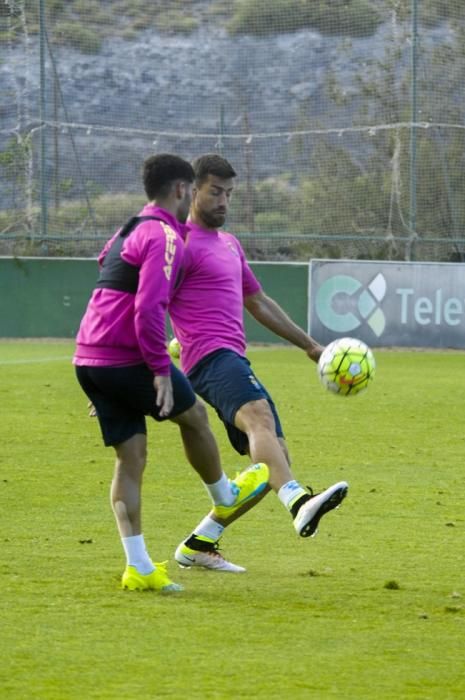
x=373, y=607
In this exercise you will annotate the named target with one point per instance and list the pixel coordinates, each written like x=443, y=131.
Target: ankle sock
x=221, y=492
x=137, y=555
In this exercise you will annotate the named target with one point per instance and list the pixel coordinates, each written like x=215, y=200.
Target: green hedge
x=337, y=17
x=81, y=38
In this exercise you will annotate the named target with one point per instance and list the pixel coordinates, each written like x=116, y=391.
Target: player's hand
x=164, y=391
x=92, y=410
x=314, y=351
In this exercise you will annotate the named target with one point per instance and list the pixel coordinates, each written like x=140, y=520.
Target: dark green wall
x=46, y=297
x=287, y=283
x=42, y=298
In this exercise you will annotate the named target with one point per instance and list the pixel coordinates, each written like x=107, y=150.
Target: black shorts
x=123, y=396
x=225, y=380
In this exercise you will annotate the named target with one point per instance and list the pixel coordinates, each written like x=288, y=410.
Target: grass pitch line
x=35, y=360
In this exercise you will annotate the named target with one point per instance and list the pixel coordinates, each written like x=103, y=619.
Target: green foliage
x=14, y=162
x=263, y=17
x=83, y=24
x=81, y=38
x=272, y=222
x=92, y=12
x=109, y=212
x=441, y=186
x=431, y=12
x=222, y=9
x=344, y=17
x=272, y=201
x=14, y=156
x=175, y=21
x=339, y=17
x=53, y=9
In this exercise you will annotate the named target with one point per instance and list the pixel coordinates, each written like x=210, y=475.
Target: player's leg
x=256, y=420
x=123, y=428
x=200, y=548
x=201, y=449
x=243, y=509
x=200, y=445
x=126, y=486
x=259, y=421
x=228, y=383
x=212, y=526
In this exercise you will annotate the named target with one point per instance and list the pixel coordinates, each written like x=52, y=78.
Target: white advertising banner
x=388, y=303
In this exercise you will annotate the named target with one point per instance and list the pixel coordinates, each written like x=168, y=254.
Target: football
x=174, y=348
x=346, y=366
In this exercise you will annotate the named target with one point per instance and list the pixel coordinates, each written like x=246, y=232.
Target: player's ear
x=180, y=189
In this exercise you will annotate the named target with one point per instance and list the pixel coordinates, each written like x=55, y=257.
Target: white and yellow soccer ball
x=174, y=348
x=346, y=366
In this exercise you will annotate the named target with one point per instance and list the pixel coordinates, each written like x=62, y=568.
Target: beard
x=213, y=219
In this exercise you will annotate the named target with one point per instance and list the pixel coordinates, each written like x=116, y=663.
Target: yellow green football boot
x=247, y=485
x=157, y=580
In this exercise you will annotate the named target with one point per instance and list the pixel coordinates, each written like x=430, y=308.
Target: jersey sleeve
x=158, y=252
x=250, y=284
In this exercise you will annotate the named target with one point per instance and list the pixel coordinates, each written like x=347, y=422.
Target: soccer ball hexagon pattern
x=346, y=366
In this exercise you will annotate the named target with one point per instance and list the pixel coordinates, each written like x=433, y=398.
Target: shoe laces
x=214, y=551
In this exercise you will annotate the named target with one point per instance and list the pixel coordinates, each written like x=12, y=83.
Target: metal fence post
x=42, y=117
x=413, y=130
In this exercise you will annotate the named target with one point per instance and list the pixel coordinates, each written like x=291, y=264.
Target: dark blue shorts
x=123, y=396
x=225, y=380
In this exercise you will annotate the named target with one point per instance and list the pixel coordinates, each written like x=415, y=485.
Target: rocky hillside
x=187, y=92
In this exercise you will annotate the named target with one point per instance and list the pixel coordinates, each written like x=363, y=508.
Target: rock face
x=184, y=80
x=190, y=94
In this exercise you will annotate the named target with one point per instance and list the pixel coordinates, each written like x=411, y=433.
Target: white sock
x=209, y=528
x=221, y=492
x=290, y=492
x=137, y=555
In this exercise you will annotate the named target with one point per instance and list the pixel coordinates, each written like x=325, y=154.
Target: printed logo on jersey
x=170, y=249
x=343, y=303
x=233, y=249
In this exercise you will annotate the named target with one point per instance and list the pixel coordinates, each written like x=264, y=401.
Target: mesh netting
x=343, y=119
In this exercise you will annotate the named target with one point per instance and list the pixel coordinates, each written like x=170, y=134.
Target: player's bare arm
x=268, y=312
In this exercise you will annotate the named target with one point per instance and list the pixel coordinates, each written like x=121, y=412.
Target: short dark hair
x=212, y=164
x=160, y=171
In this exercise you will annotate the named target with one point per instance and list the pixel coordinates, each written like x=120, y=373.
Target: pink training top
x=207, y=310
x=119, y=328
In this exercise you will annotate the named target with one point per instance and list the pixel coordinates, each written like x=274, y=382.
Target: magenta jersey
x=207, y=310
x=120, y=328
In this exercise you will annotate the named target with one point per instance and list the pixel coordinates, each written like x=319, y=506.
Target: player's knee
x=255, y=414
x=132, y=455
x=195, y=417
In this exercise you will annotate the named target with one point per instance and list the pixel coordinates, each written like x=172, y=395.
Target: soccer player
x=123, y=366
x=207, y=317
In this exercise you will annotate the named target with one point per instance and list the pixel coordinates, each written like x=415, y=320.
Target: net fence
x=344, y=120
